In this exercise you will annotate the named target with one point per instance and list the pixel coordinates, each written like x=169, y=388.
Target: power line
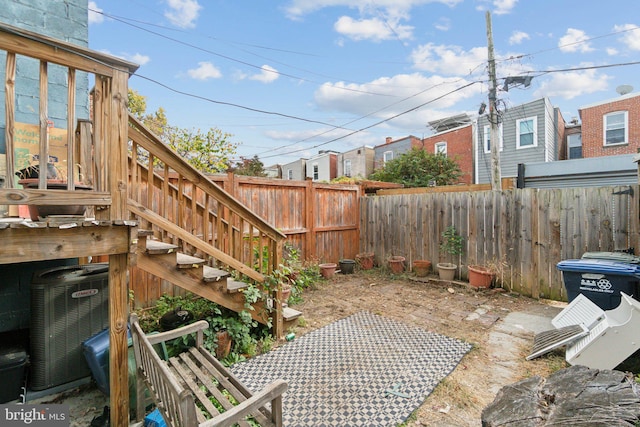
x=379, y=122
x=248, y=64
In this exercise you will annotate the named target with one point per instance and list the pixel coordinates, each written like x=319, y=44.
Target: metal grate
x=546, y=341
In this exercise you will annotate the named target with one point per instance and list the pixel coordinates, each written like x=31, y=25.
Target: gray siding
x=361, y=162
x=511, y=156
x=591, y=172
x=297, y=168
x=398, y=147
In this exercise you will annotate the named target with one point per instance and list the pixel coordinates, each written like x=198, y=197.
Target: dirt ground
x=451, y=309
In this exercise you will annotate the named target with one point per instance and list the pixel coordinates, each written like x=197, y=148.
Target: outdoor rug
x=363, y=370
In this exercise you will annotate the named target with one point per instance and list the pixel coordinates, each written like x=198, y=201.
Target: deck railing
x=182, y=206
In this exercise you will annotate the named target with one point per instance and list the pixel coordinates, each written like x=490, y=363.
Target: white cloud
x=443, y=24
x=182, y=13
x=372, y=29
x=517, y=37
x=95, y=17
x=296, y=9
x=630, y=37
x=612, y=51
x=139, y=59
x=268, y=75
x=387, y=97
x=572, y=84
x=574, y=41
x=502, y=7
x=205, y=71
x=448, y=60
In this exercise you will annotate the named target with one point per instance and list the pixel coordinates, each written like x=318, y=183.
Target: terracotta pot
x=328, y=270
x=396, y=264
x=224, y=344
x=286, y=293
x=446, y=270
x=480, y=277
x=421, y=267
x=366, y=260
x=37, y=211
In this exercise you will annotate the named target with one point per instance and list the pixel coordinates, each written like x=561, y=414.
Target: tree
x=418, y=168
x=208, y=152
x=248, y=167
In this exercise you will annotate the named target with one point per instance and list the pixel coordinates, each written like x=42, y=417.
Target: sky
x=290, y=78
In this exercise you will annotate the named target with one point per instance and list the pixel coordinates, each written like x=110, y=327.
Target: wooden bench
x=184, y=387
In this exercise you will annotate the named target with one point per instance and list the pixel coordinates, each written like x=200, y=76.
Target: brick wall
x=592, y=127
x=459, y=147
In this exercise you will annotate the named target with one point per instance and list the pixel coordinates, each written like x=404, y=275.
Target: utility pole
x=496, y=181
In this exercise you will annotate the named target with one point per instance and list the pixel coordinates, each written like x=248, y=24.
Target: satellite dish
x=624, y=89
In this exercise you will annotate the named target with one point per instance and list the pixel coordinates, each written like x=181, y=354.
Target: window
x=388, y=155
x=316, y=173
x=574, y=146
x=289, y=174
x=527, y=132
x=441, y=148
x=347, y=167
x=615, y=128
x=487, y=138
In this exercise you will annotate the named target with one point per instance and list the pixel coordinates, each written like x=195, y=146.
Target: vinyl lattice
x=339, y=375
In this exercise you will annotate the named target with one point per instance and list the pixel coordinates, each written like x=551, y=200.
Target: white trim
x=626, y=128
x=440, y=147
x=289, y=174
x=534, y=130
x=384, y=156
x=610, y=101
x=315, y=171
x=486, y=136
x=346, y=162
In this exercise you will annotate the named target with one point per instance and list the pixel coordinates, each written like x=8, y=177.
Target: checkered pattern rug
x=363, y=370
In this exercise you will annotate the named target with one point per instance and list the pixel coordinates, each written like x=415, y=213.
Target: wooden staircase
x=194, y=225
x=194, y=275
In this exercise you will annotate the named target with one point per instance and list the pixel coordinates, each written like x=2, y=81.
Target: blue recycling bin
x=600, y=280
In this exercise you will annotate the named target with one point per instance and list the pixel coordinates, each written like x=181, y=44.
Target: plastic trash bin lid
x=599, y=266
x=613, y=256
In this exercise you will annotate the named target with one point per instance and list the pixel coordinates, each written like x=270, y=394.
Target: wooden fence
x=523, y=233
x=322, y=220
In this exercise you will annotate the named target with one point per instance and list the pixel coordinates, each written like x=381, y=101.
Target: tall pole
x=496, y=181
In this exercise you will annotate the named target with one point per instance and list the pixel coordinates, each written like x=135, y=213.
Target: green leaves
x=419, y=168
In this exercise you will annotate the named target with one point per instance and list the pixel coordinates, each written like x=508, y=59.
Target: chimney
x=388, y=140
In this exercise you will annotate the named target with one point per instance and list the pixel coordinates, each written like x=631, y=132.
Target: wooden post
x=310, y=220
x=10, y=109
x=496, y=183
x=116, y=156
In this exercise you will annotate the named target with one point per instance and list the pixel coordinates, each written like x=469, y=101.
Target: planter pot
x=286, y=293
x=327, y=270
x=365, y=260
x=480, y=277
x=224, y=344
x=347, y=266
x=396, y=264
x=38, y=211
x=446, y=270
x=421, y=267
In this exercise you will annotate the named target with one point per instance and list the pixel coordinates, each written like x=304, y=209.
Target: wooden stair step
x=234, y=286
x=212, y=274
x=289, y=314
x=155, y=247
x=188, y=261
x=145, y=233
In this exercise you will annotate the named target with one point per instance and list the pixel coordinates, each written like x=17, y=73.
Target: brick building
x=611, y=127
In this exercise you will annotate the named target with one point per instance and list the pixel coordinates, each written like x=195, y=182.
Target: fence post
x=310, y=220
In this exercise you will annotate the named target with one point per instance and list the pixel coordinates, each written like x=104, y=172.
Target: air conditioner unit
x=68, y=305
